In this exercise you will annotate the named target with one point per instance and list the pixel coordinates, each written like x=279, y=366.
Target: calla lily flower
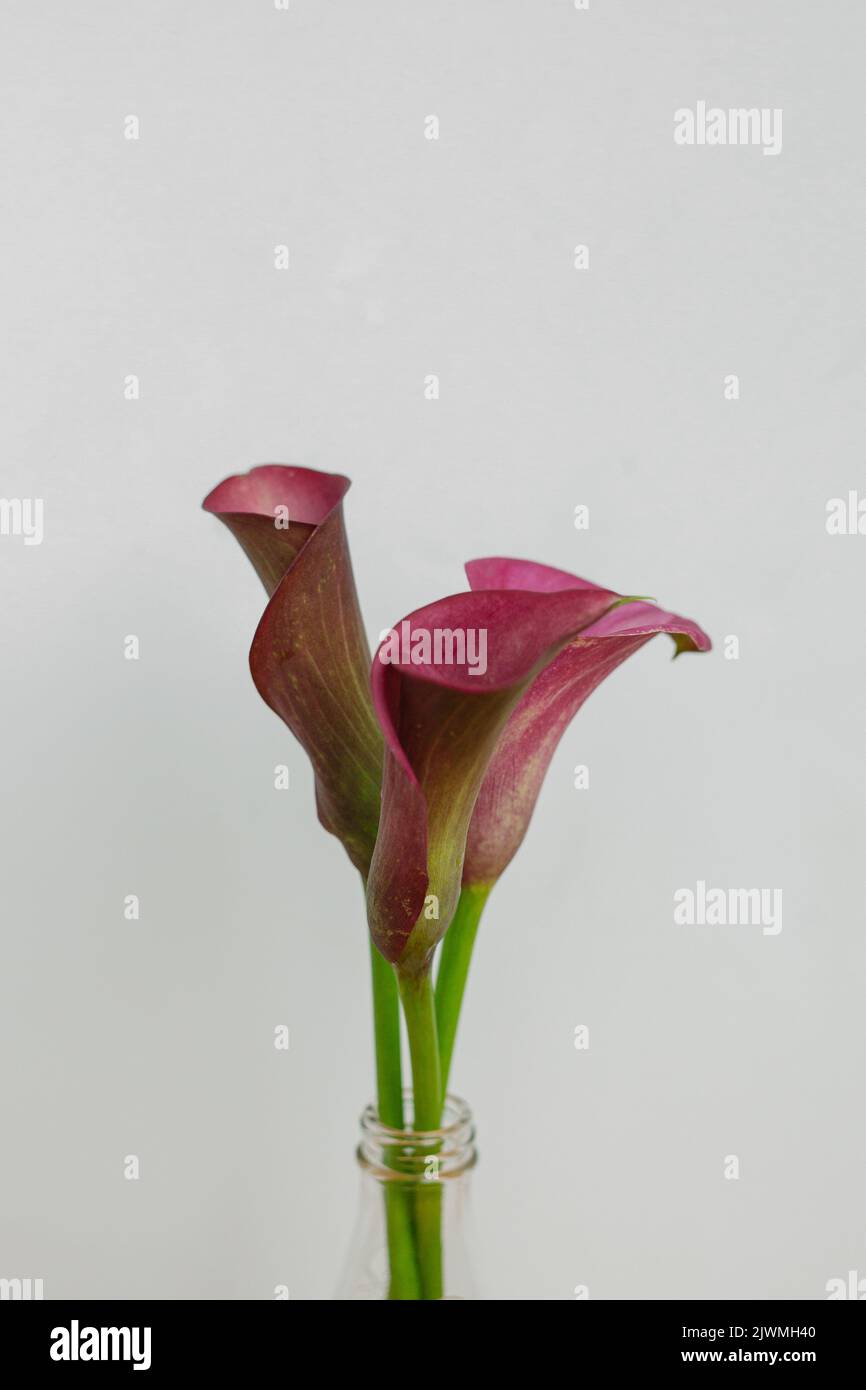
x=309, y=658
x=442, y=720
x=466, y=751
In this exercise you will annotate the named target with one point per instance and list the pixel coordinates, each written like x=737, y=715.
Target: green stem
x=405, y=1282
x=428, y=1235
x=453, y=969
x=386, y=1023
x=416, y=993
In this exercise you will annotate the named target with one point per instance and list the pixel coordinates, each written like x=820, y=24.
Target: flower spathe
x=442, y=722
x=309, y=658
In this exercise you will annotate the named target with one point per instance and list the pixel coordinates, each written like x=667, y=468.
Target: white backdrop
x=605, y=387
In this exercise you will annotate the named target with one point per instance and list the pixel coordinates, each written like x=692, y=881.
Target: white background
x=558, y=387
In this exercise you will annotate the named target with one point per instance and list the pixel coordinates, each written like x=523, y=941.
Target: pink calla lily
x=442, y=721
x=309, y=658
x=466, y=752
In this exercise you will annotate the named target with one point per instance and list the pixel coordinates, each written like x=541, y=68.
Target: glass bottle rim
x=407, y=1154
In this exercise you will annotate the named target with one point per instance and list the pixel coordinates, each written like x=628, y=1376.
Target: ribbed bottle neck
x=408, y=1155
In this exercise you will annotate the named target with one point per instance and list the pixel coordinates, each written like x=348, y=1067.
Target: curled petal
x=309, y=658
x=442, y=718
x=527, y=743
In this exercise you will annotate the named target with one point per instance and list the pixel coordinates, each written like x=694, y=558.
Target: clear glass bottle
x=410, y=1240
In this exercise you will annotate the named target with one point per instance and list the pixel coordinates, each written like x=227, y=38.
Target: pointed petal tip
x=693, y=640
